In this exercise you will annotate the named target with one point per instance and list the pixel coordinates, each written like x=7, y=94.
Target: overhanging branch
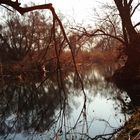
x=98, y=32
x=15, y=5
x=22, y=10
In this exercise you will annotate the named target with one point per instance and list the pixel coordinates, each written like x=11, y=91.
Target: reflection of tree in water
x=34, y=108
x=129, y=83
x=94, y=80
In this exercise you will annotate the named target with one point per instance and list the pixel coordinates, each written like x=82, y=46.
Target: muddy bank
x=131, y=129
x=128, y=79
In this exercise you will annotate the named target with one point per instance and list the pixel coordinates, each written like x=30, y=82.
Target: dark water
x=45, y=111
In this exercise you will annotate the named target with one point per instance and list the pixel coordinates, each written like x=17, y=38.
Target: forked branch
x=22, y=10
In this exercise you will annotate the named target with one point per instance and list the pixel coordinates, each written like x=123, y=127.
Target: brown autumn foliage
x=28, y=47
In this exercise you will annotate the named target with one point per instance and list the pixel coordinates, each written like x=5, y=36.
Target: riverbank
x=131, y=129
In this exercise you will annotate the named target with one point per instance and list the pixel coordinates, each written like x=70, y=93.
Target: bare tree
x=126, y=10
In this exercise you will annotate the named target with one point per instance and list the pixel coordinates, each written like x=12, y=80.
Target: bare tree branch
x=130, y=2
x=125, y=2
x=97, y=33
x=137, y=25
x=135, y=8
x=23, y=10
x=6, y=8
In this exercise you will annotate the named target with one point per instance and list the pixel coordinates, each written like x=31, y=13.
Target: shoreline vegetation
x=31, y=67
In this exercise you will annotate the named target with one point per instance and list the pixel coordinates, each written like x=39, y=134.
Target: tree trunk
x=132, y=38
x=128, y=77
x=125, y=13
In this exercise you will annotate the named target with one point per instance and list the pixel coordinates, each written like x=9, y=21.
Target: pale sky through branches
x=79, y=10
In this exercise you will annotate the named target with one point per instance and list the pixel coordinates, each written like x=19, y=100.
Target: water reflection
x=44, y=111
x=130, y=84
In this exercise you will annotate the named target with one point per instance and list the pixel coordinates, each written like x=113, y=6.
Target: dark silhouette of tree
x=126, y=10
x=127, y=78
x=16, y=6
x=25, y=35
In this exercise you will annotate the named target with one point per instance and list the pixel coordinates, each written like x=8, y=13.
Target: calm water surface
x=45, y=111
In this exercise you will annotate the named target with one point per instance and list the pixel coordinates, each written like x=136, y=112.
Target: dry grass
x=131, y=130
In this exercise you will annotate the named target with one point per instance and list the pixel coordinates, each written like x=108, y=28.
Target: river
x=90, y=108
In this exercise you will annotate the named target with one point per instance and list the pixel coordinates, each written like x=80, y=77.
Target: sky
x=80, y=11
